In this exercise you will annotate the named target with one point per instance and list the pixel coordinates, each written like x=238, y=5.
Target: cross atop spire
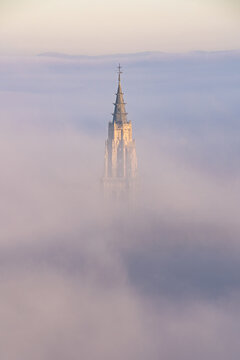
x=119, y=72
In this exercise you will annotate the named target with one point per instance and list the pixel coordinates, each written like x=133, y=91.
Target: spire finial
x=119, y=72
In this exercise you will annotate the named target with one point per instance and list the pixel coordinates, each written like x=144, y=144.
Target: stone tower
x=120, y=153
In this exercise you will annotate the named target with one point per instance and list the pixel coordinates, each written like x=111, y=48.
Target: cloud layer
x=84, y=279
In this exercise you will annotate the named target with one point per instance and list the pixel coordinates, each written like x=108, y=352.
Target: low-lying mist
x=85, y=278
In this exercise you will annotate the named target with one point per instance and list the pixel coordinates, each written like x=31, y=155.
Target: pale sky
x=95, y=27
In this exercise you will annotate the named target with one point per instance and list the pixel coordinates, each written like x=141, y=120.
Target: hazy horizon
x=94, y=28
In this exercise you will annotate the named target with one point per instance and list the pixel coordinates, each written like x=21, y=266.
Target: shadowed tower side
x=120, y=169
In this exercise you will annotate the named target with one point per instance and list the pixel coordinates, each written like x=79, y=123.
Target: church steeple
x=119, y=115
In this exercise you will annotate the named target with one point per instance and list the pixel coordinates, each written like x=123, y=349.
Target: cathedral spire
x=120, y=165
x=119, y=115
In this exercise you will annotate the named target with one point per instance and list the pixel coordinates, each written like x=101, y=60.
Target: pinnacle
x=119, y=114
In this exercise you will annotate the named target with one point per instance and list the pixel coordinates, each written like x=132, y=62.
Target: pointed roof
x=119, y=115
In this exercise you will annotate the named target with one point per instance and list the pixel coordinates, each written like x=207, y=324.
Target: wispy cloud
x=80, y=279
